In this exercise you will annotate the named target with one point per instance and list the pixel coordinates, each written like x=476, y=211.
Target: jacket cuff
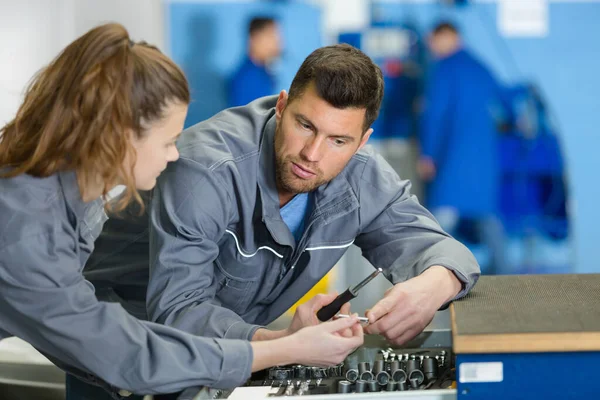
x=237, y=363
x=467, y=280
x=241, y=330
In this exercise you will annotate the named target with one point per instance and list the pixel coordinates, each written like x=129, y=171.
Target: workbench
x=514, y=337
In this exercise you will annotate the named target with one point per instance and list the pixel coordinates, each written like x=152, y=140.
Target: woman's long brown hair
x=79, y=113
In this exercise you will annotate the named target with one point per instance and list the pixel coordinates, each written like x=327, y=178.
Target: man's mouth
x=302, y=172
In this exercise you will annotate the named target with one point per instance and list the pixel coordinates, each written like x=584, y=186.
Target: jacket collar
x=268, y=188
x=70, y=189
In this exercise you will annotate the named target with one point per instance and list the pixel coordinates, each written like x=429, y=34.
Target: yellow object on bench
x=321, y=287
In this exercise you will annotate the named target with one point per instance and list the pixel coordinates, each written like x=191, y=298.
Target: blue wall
x=566, y=65
x=208, y=40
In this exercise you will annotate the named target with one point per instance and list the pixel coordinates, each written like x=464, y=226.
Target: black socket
x=391, y=386
x=416, y=375
x=401, y=386
x=411, y=365
x=382, y=378
x=367, y=376
x=360, y=386
x=363, y=366
x=373, y=386
x=430, y=368
x=414, y=383
x=403, y=365
x=352, y=375
x=272, y=374
x=319, y=373
x=378, y=366
x=283, y=374
x=344, y=387
x=301, y=372
x=399, y=375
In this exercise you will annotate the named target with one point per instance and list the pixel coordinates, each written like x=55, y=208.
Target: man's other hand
x=408, y=307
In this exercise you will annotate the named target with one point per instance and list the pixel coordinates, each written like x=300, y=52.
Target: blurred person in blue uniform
x=252, y=79
x=459, y=145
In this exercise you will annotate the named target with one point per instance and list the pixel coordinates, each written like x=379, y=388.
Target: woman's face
x=157, y=147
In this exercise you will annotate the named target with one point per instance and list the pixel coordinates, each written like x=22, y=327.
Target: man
x=459, y=143
x=265, y=199
x=252, y=79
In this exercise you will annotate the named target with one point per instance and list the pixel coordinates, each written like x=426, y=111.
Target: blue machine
x=534, y=195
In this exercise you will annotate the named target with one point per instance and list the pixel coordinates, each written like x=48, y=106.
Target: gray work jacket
x=46, y=235
x=223, y=262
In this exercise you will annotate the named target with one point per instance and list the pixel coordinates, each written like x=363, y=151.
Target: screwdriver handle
x=327, y=312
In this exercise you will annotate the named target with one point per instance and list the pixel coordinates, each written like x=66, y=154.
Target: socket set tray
x=366, y=370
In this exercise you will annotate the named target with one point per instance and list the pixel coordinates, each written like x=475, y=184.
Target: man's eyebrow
x=306, y=120
x=346, y=137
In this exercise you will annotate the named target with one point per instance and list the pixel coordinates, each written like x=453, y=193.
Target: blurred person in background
x=252, y=79
x=459, y=144
x=105, y=112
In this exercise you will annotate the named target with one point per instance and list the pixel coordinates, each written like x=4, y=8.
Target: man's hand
x=408, y=307
x=306, y=314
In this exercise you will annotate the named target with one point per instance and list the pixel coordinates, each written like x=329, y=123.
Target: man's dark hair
x=257, y=24
x=345, y=77
x=444, y=27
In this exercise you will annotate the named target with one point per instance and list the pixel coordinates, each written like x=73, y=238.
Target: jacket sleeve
x=402, y=237
x=436, y=112
x=45, y=300
x=187, y=218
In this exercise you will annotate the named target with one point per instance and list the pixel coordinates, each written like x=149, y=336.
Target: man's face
x=267, y=42
x=272, y=41
x=443, y=44
x=314, y=141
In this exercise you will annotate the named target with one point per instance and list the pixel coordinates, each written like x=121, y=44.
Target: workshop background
x=544, y=53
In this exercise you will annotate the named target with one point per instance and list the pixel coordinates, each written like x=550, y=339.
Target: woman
x=107, y=112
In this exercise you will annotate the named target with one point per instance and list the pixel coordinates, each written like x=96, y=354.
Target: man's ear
x=281, y=104
x=364, y=139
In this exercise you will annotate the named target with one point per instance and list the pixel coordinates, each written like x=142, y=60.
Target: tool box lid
x=528, y=313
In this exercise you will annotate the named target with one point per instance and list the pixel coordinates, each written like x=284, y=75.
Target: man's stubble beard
x=284, y=177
